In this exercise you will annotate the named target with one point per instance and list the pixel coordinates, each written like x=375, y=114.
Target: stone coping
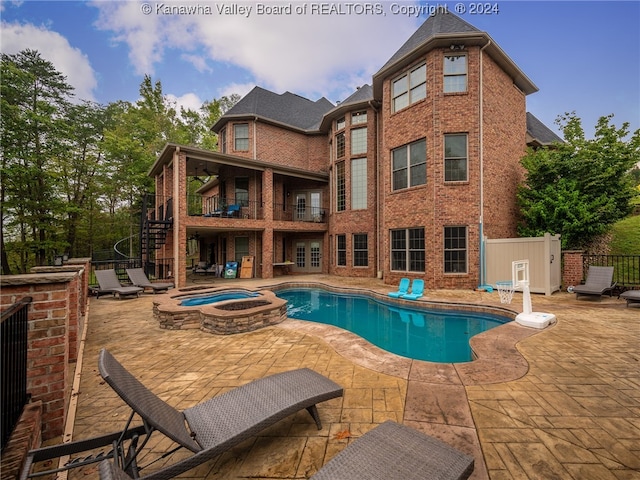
x=38, y=278
x=497, y=358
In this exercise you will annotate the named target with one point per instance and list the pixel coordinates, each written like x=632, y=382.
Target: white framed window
x=358, y=183
x=455, y=249
x=358, y=118
x=359, y=141
x=409, y=87
x=341, y=187
x=409, y=165
x=455, y=158
x=340, y=123
x=455, y=73
x=341, y=250
x=241, y=136
x=340, y=145
x=360, y=250
x=408, y=250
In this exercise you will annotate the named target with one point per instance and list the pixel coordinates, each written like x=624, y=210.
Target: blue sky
x=584, y=56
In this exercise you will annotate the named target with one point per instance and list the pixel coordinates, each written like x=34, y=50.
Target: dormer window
x=455, y=73
x=340, y=124
x=409, y=88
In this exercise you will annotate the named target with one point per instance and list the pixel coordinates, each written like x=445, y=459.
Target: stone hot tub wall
x=224, y=317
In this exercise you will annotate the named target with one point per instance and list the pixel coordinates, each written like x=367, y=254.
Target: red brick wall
x=505, y=128
x=438, y=204
x=55, y=319
x=572, y=269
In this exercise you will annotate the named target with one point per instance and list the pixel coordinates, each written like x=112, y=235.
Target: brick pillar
x=572, y=270
x=267, y=234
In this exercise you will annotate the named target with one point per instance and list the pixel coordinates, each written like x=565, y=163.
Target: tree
x=579, y=188
x=35, y=97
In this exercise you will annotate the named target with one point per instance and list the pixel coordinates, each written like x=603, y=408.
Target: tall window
x=455, y=158
x=409, y=165
x=359, y=141
x=341, y=188
x=223, y=141
x=360, y=250
x=341, y=250
x=409, y=88
x=455, y=249
x=340, y=145
x=241, y=136
x=358, y=183
x=358, y=117
x=407, y=250
x=242, y=191
x=455, y=73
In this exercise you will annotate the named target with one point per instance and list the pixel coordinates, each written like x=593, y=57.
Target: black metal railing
x=298, y=213
x=626, y=268
x=219, y=207
x=13, y=344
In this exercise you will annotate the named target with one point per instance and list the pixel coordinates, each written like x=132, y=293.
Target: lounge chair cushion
x=140, y=279
x=631, y=296
x=109, y=283
x=393, y=451
x=599, y=281
x=417, y=289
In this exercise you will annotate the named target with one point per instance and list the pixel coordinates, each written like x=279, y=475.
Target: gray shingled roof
x=540, y=132
x=362, y=94
x=287, y=108
x=438, y=24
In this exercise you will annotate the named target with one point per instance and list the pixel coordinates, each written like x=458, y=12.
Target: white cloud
x=55, y=48
x=240, y=88
x=199, y=62
x=188, y=101
x=299, y=53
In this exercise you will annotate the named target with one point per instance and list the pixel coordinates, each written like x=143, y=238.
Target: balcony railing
x=14, y=328
x=297, y=213
x=218, y=207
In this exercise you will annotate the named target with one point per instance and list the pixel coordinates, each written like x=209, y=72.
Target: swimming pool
x=207, y=299
x=417, y=333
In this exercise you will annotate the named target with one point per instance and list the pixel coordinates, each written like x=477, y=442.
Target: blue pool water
x=217, y=297
x=418, y=333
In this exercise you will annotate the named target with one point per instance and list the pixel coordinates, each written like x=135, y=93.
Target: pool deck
x=563, y=402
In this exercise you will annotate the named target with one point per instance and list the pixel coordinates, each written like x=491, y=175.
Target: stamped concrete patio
x=562, y=403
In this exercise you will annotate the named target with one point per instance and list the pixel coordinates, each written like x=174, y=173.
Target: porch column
x=180, y=217
x=267, y=233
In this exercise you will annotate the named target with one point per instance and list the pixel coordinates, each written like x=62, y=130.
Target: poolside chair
x=390, y=451
x=417, y=289
x=109, y=283
x=232, y=211
x=631, y=296
x=403, y=287
x=140, y=279
x=207, y=429
x=599, y=281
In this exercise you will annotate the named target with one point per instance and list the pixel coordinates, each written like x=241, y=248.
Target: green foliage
x=73, y=175
x=626, y=236
x=581, y=187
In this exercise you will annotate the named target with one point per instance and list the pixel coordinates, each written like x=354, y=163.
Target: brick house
x=401, y=179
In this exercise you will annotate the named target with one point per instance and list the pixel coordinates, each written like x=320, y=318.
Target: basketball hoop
x=505, y=291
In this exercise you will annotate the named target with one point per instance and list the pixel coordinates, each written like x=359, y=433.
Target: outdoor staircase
x=154, y=230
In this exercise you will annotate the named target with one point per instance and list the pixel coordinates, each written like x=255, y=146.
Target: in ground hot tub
x=222, y=311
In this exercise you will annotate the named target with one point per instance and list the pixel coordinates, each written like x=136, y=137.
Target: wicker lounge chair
x=109, y=283
x=388, y=452
x=207, y=429
x=140, y=279
x=631, y=296
x=599, y=281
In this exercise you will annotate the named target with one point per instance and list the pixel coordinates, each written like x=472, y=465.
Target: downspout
x=377, y=193
x=481, y=150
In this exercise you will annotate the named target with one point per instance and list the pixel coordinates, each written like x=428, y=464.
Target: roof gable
x=288, y=109
x=540, y=134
